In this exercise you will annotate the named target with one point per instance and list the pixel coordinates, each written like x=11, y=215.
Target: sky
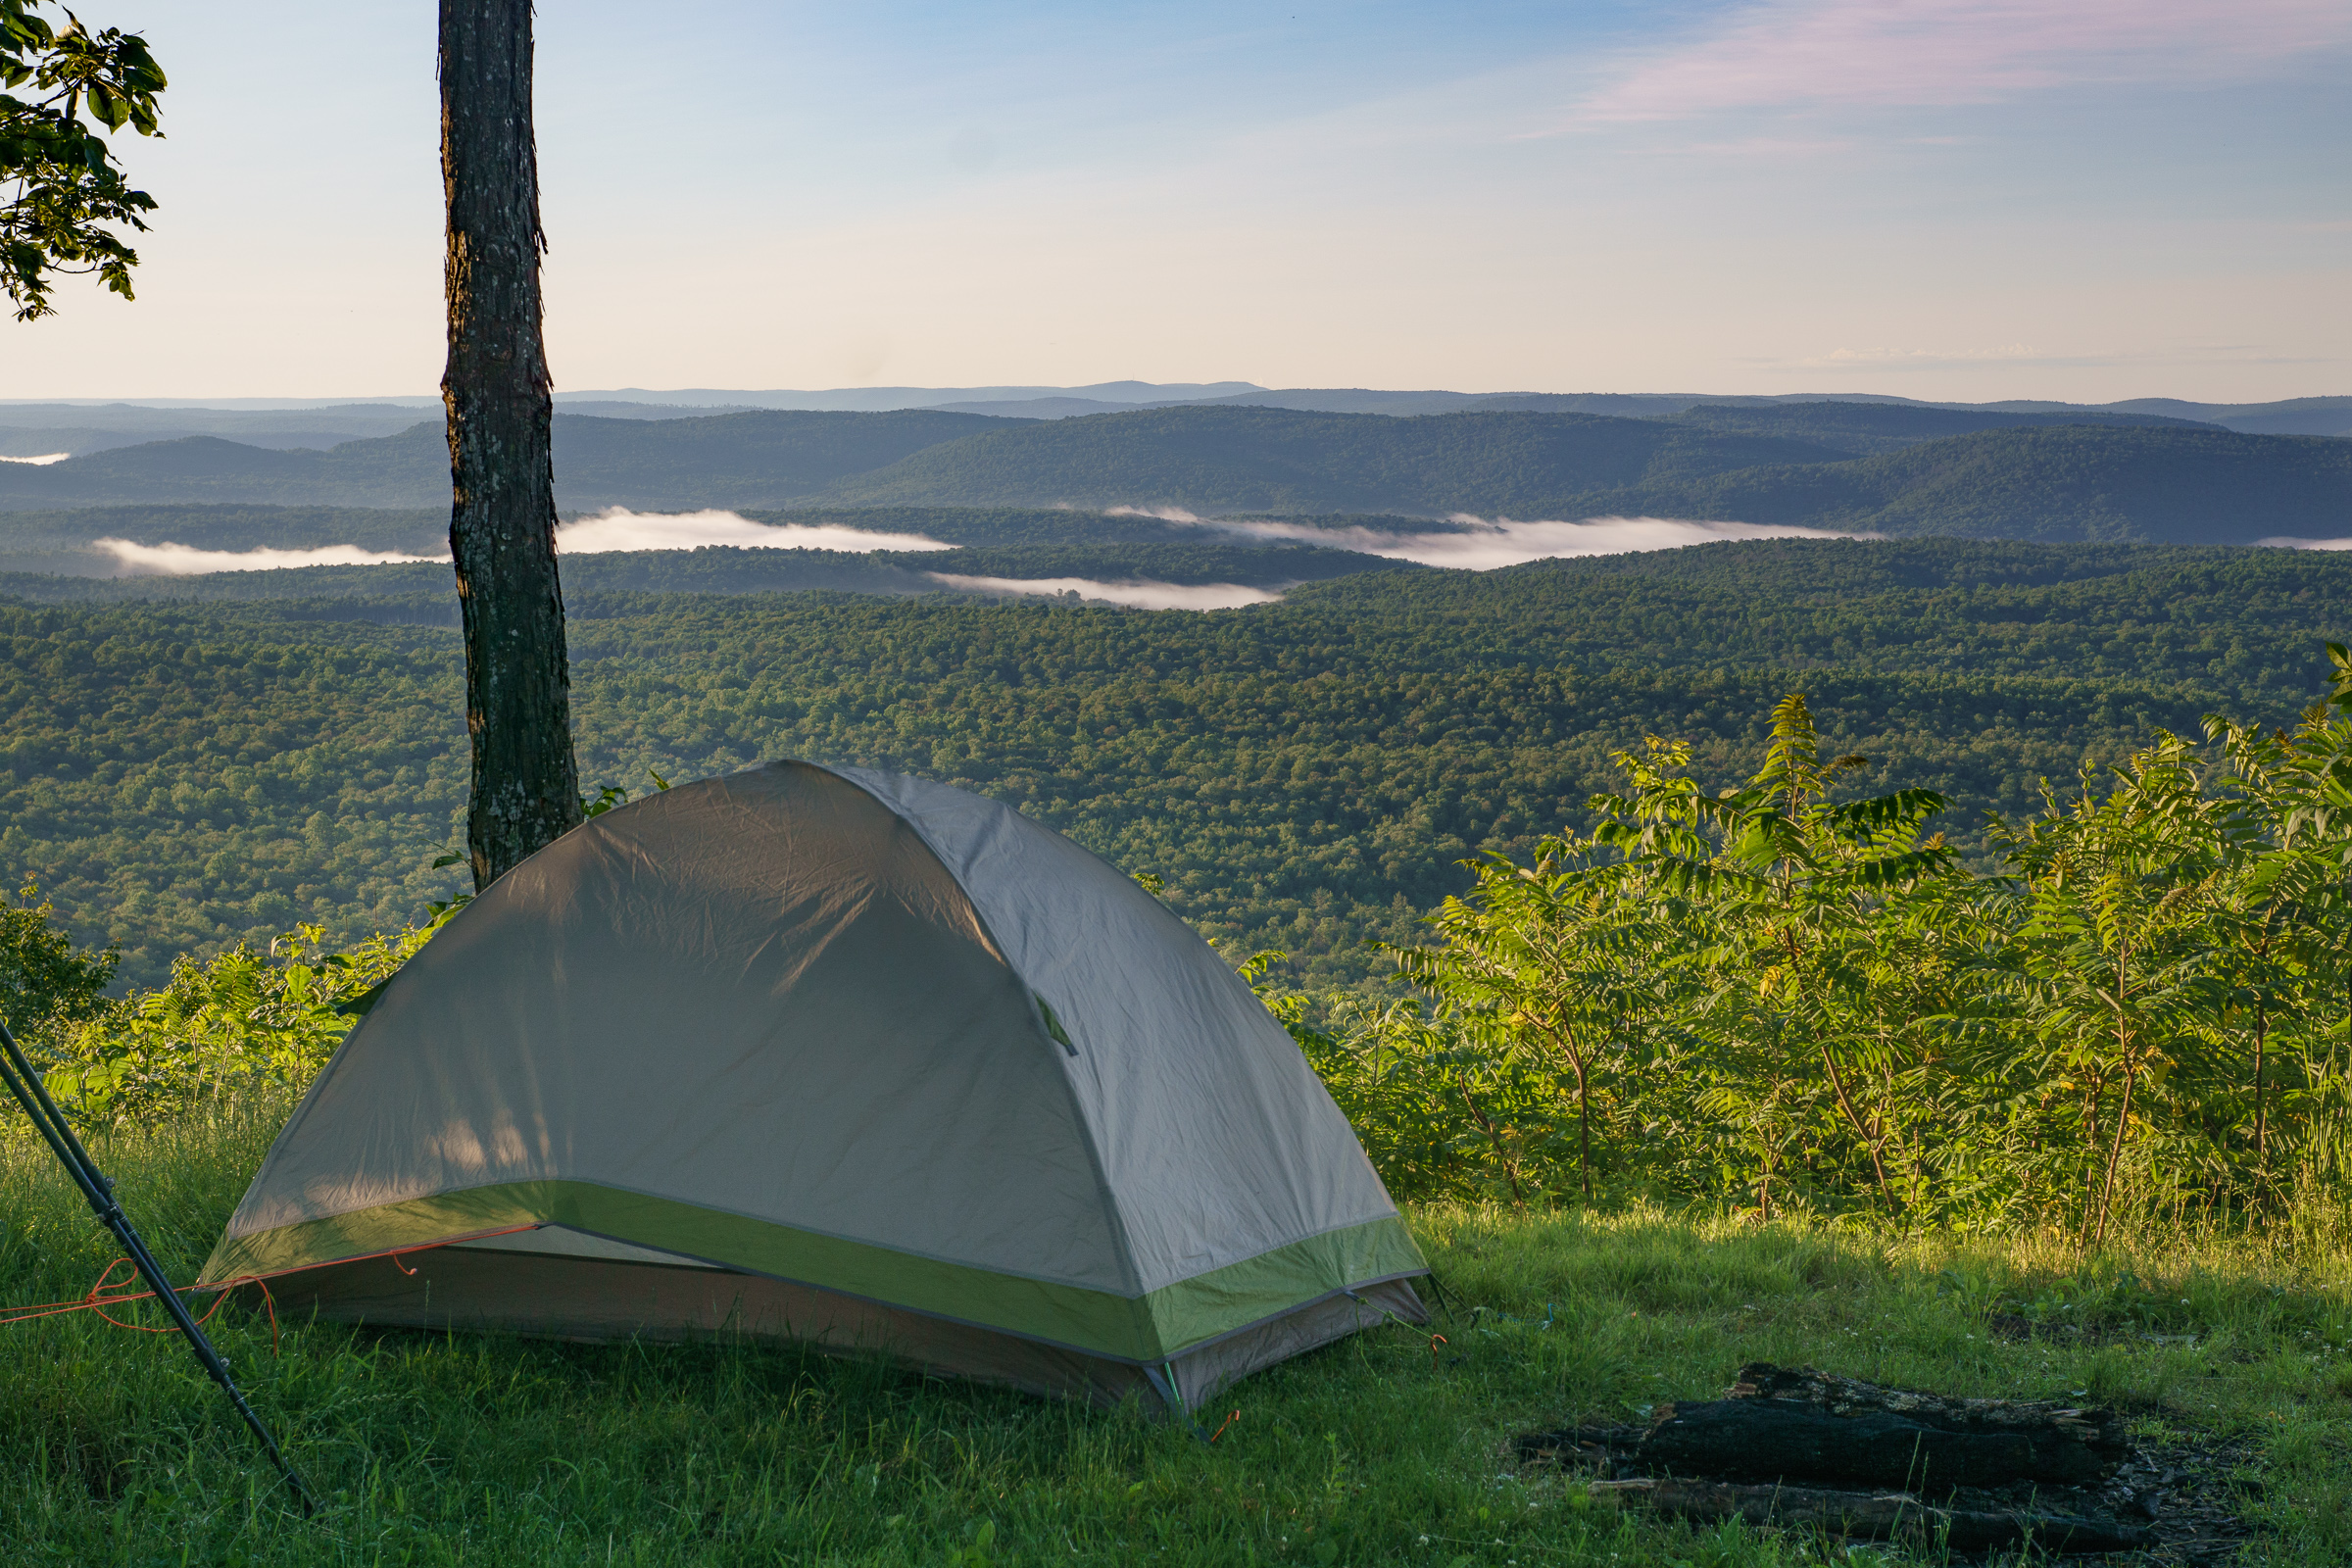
x=2085, y=200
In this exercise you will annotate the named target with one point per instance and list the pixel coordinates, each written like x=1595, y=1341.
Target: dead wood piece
x=2072, y=1442
x=1878, y=1516
x=1598, y=1446
x=1780, y=1440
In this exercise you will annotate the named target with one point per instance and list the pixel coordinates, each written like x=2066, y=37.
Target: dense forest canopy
x=1863, y=428
x=1304, y=775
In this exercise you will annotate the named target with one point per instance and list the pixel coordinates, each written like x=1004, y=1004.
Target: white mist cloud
x=1138, y=593
x=1480, y=545
x=46, y=457
x=186, y=561
x=1163, y=513
x=2288, y=542
x=618, y=529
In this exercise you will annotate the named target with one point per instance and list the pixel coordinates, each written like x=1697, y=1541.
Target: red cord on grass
x=97, y=1301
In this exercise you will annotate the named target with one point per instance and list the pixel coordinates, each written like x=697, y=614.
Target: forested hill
x=1845, y=466
x=757, y=458
x=2186, y=484
x=1304, y=775
x=2071, y=483
x=1863, y=428
x=1229, y=460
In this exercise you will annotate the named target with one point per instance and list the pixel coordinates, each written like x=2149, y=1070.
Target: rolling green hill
x=2067, y=481
x=2012, y=478
x=2071, y=483
x=759, y=458
x=730, y=460
x=1865, y=428
x=409, y=469
x=1223, y=460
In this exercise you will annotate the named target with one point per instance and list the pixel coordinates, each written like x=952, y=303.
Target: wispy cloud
x=1163, y=513
x=2288, y=542
x=2025, y=355
x=1893, y=359
x=1137, y=593
x=46, y=457
x=1906, y=54
x=618, y=529
x=1479, y=544
x=186, y=561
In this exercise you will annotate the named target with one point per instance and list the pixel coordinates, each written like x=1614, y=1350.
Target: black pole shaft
x=33, y=1094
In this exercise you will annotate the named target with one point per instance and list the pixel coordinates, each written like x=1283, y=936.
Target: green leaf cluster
x=249, y=1021
x=63, y=196
x=1771, y=995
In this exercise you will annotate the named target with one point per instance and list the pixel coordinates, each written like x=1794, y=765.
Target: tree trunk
x=502, y=526
x=1584, y=1130
x=1870, y=1133
x=1565, y=1041
x=2115, y=1152
x=2262, y=1140
x=1510, y=1165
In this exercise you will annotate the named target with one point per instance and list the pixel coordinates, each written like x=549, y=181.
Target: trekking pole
x=33, y=1094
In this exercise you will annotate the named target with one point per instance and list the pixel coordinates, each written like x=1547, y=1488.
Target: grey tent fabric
x=854, y=1051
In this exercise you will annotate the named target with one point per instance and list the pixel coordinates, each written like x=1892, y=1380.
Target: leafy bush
x=1776, y=997
x=46, y=983
x=246, y=1021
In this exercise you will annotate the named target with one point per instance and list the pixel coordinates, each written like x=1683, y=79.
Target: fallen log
x=1783, y=1440
x=2053, y=1428
x=1879, y=1516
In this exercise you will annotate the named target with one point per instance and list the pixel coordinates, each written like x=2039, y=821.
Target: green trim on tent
x=1160, y=1324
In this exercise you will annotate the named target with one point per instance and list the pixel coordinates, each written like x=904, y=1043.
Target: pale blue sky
x=2106, y=199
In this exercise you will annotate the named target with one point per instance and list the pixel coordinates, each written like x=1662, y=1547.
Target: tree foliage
x=1772, y=995
x=247, y=1020
x=64, y=200
x=1304, y=775
x=46, y=982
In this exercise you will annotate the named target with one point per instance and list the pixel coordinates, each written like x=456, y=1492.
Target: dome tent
x=842, y=1057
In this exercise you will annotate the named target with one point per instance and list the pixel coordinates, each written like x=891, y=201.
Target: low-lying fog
x=1482, y=544
x=1467, y=542
x=1140, y=593
x=186, y=561
x=618, y=529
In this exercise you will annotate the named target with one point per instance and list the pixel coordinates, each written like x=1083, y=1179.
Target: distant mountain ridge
x=1877, y=467
x=1233, y=458
x=757, y=458
x=2173, y=483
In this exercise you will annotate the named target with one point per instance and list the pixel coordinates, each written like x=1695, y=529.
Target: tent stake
x=33, y=1094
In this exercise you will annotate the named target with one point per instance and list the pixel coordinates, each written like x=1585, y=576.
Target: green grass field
x=456, y=1450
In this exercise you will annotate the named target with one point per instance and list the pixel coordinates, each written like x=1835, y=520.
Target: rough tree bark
x=502, y=526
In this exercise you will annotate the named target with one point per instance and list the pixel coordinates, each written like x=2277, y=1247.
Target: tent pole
x=33, y=1094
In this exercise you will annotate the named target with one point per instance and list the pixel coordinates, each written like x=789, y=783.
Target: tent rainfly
x=841, y=1057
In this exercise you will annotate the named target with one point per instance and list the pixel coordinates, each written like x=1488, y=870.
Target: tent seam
x=1122, y=1236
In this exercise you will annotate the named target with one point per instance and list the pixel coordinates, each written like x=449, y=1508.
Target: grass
x=448, y=1449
